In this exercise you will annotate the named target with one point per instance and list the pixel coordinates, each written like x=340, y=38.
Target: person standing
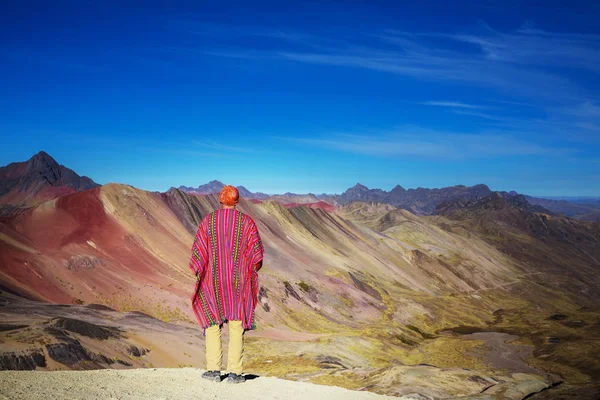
x=227, y=254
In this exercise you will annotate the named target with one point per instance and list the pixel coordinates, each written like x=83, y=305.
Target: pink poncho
x=226, y=255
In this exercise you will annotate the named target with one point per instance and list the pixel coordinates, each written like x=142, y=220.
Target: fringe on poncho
x=226, y=255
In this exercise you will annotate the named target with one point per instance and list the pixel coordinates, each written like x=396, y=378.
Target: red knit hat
x=229, y=195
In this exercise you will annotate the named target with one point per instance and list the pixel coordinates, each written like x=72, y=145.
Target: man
x=226, y=256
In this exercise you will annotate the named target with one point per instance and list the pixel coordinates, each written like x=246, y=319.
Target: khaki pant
x=214, y=350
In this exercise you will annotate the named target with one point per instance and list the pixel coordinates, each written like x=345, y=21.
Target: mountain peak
x=215, y=186
x=43, y=160
x=216, y=182
x=38, y=179
x=359, y=186
x=42, y=154
x=496, y=201
x=481, y=186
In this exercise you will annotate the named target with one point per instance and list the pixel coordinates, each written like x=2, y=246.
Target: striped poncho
x=226, y=256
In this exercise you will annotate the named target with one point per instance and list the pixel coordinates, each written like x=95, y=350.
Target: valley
x=491, y=295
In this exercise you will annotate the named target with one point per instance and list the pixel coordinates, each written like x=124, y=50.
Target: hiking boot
x=212, y=375
x=235, y=378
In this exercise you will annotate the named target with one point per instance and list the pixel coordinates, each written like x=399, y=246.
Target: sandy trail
x=160, y=383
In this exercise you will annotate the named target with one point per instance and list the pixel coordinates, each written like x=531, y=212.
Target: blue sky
x=307, y=96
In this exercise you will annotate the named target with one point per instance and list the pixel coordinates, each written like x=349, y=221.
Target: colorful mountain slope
x=115, y=244
x=319, y=204
x=360, y=286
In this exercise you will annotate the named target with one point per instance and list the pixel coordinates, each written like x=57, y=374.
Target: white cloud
x=454, y=104
x=419, y=142
x=518, y=63
x=586, y=109
x=212, y=145
x=521, y=68
x=479, y=114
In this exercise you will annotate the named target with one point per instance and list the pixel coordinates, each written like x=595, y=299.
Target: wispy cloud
x=514, y=63
x=479, y=114
x=419, y=142
x=220, y=30
x=537, y=47
x=209, y=145
x=454, y=104
x=386, y=147
x=122, y=141
x=473, y=110
x=586, y=109
x=588, y=126
x=519, y=68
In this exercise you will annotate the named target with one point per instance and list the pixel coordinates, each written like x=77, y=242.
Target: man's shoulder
x=208, y=217
x=246, y=218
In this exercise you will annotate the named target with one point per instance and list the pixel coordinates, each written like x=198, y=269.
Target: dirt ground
x=160, y=383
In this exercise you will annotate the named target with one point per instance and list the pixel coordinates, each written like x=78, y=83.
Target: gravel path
x=160, y=383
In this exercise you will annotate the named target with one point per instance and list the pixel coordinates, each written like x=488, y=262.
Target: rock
x=73, y=354
x=82, y=261
x=414, y=396
x=27, y=361
x=521, y=387
x=289, y=291
x=365, y=288
x=137, y=351
x=329, y=362
x=86, y=328
x=8, y=327
x=68, y=353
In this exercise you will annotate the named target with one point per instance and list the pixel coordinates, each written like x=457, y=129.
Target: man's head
x=229, y=196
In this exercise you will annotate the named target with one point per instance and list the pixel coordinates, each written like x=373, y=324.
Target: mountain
x=544, y=242
x=556, y=256
x=593, y=216
x=360, y=192
x=286, y=198
x=375, y=293
x=494, y=201
x=39, y=179
x=323, y=205
x=420, y=201
x=595, y=202
x=366, y=214
x=289, y=198
x=215, y=186
x=363, y=296
x=589, y=211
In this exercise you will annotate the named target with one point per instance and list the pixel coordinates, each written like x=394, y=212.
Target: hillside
x=350, y=298
x=49, y=337
x=588, y=211
x=420, y=201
